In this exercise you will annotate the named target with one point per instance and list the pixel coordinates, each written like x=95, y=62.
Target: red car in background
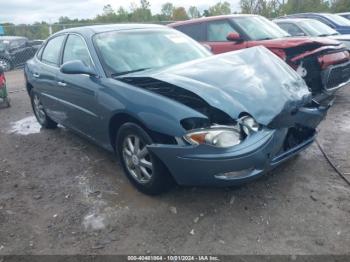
x=323, y=63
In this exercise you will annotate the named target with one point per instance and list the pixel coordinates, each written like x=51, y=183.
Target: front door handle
x=36, y=75
x=60, y=83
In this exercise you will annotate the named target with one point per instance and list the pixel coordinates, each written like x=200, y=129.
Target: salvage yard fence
x=18, y=43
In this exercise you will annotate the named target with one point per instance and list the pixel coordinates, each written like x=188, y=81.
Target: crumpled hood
x=291, y=42
x=252, y=80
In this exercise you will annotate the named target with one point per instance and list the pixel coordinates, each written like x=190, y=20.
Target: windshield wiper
x=128, y=72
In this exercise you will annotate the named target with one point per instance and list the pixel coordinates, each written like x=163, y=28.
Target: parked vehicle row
x=323, y=63
x=337, y=22
x=311, y=28
x=175, y=112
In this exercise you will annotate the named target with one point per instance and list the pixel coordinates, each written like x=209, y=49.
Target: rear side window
x=218, y=31
x=196, y=31
x=51, y=53
x=76, y=49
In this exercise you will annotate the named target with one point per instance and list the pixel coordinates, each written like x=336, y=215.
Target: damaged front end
x=257, y=112
x=325, y=69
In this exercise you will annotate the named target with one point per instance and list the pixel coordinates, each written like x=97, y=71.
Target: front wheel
x=144, y=170
x=39, y=112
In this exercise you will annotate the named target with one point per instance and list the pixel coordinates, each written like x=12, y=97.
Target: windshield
x=124, y=52
x=259, y=28
x=316, y=28
x=339, y=20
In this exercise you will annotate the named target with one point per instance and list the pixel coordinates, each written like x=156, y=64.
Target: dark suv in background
x=16, y=50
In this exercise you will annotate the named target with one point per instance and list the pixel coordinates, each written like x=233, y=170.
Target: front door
x=78, y=92
x=217, y=32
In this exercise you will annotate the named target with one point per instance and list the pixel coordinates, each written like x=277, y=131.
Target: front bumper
x=206, y=165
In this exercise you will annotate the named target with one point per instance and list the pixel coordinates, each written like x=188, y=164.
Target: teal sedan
x=172, y=111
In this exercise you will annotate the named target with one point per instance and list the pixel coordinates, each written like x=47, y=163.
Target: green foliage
x=141, y=12
x=273, y=8
x=193, y=12
x=179, y=14
x=167, y=11
x=221, y=8
x=339, y=6
x=301, y=6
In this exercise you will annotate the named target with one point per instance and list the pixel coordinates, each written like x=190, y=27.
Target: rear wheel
x=39, y=112
x=145, y=171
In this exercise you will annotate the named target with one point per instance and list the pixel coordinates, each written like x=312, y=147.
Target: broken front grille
x=336, y=76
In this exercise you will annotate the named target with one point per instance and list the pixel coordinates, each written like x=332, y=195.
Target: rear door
x=216, y=33
x=44, y=75
x=78, y=92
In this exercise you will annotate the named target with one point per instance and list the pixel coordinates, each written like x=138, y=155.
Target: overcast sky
x=29, y=11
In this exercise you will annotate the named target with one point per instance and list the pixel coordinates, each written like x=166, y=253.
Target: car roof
x=344, y=13
x=10, y=38
x=292, y=20
x=211, y=18
x=303, y=14
x=91, y=30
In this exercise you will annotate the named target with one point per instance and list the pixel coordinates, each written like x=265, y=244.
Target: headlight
x=249, y=125
x=215, y=136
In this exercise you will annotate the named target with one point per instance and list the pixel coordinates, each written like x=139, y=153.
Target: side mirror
x=76, y=67
x=234, y=37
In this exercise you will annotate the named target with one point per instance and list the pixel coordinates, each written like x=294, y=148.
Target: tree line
x=141, y=13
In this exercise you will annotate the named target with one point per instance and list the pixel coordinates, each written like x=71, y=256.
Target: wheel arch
x=120, y=118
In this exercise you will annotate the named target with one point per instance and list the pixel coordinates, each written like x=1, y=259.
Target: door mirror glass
x=77, y=67
x=233, y=37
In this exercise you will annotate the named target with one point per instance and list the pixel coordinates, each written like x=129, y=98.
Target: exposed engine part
x=302, y=70
x=297, y=135
x=310, y=71
x=183, y=96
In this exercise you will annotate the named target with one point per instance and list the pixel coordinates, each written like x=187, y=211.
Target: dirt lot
x=60, y=194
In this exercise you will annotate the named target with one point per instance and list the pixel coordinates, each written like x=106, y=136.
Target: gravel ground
x=60, y=194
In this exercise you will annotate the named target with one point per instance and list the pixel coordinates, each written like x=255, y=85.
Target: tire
x=136, y=163
x=5, y=64
x=44, y=120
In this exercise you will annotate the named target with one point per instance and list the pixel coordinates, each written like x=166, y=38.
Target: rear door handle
x=36, y=75
x=60, y=83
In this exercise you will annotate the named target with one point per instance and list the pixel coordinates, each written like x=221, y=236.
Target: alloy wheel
x=39, y=109
x=137, y=159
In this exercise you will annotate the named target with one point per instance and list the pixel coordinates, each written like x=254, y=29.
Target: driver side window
x=76, y=49
x=218, y=31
